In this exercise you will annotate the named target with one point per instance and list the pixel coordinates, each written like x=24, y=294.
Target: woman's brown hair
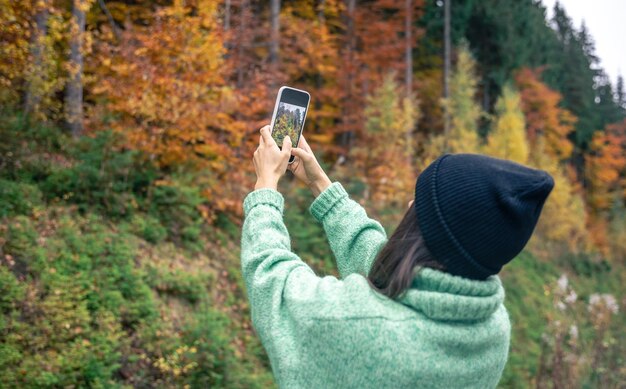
x=394, y=267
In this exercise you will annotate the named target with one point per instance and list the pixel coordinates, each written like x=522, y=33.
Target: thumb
x=287, y=145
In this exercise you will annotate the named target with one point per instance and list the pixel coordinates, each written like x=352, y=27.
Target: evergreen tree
x=608, y=109
x=506, y=35
x=508, y=137
x=462, y=106
x=621, y=94
x=574, y=76
x=386, y=155
x=464, y=111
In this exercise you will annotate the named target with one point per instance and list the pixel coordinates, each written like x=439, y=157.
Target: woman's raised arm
x=354, y=237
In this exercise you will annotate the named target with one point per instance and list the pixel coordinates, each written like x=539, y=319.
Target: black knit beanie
x=476, y=213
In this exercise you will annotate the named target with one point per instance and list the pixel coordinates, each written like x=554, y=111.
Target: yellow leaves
x=508, y=137
x=207, y=9
x=141, y=51
x=324, y=138
x=390, y=120
x=178, y=362
x=433, y=148
x=205, y=150
x=72, y=68
x=14, y=49
x=564, y=217
x=84, y=5
x=463, y=109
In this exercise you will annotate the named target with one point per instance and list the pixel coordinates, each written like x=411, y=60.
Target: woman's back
x=445, y=331
x=423, y=308
x=455, y=335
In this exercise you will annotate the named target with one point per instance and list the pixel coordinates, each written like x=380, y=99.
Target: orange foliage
x=166, y=88
x=606, y=167
x=380, y=45
x=543, y=114
x=164, y=85
x=340, y=60
x=184, y=90
x=310, y=53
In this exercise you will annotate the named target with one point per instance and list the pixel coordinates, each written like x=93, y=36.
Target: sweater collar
x=443, y=296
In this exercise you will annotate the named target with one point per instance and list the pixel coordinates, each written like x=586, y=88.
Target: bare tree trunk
x=243, y=25
x=408, y=27
x=408, y=21
x=346, y=140
x=227, y=15
x=116, y=29
x=446, y=70
x=74, y=89
x=486, y=96
x=274, y=37
x=32, y=99
x=320, y=11
x=319, y=80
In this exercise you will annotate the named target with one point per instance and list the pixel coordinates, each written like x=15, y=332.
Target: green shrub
x=87, y=295
x=524, y=281
x=217, y=362
x=307, y=235
x=78, y=306
x=148, y=227
x=176, y=205
x=104, y=176
x=29, y=150
x=11, y=291
x=585, y=265
x=98, y=174
x=17, y=198
x=178, y=283
x=21, y=236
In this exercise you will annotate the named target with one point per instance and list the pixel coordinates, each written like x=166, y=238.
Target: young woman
x=423, y=308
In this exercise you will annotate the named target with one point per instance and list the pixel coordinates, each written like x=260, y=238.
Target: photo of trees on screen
x=289, y=120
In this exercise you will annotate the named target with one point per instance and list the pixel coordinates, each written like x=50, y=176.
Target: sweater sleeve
x=278, y=282
x=354, y=238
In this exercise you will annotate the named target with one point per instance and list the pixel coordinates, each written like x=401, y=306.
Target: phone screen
x=290, y=115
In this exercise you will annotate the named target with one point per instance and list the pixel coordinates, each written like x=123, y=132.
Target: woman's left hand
x=270, y=162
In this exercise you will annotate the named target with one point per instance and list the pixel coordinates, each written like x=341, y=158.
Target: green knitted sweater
x=323, y=332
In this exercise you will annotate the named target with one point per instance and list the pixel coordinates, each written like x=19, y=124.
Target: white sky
x=291, y=107
x=605, y=23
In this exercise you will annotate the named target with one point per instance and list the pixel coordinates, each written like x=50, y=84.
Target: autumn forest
x=127, y=130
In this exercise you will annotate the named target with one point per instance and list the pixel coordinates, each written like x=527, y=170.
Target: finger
x=304, y=144
x=300, y=153
x=286, y=145
x=293, y=166
x=267, y=137
x=261, y=141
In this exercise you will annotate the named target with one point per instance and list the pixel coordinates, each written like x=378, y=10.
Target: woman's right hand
x=307, y=169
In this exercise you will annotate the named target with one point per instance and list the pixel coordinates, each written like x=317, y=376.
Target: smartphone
x=289, y=113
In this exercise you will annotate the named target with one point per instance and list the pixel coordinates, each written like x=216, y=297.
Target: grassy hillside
x=109, y=280
x=111, y=277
